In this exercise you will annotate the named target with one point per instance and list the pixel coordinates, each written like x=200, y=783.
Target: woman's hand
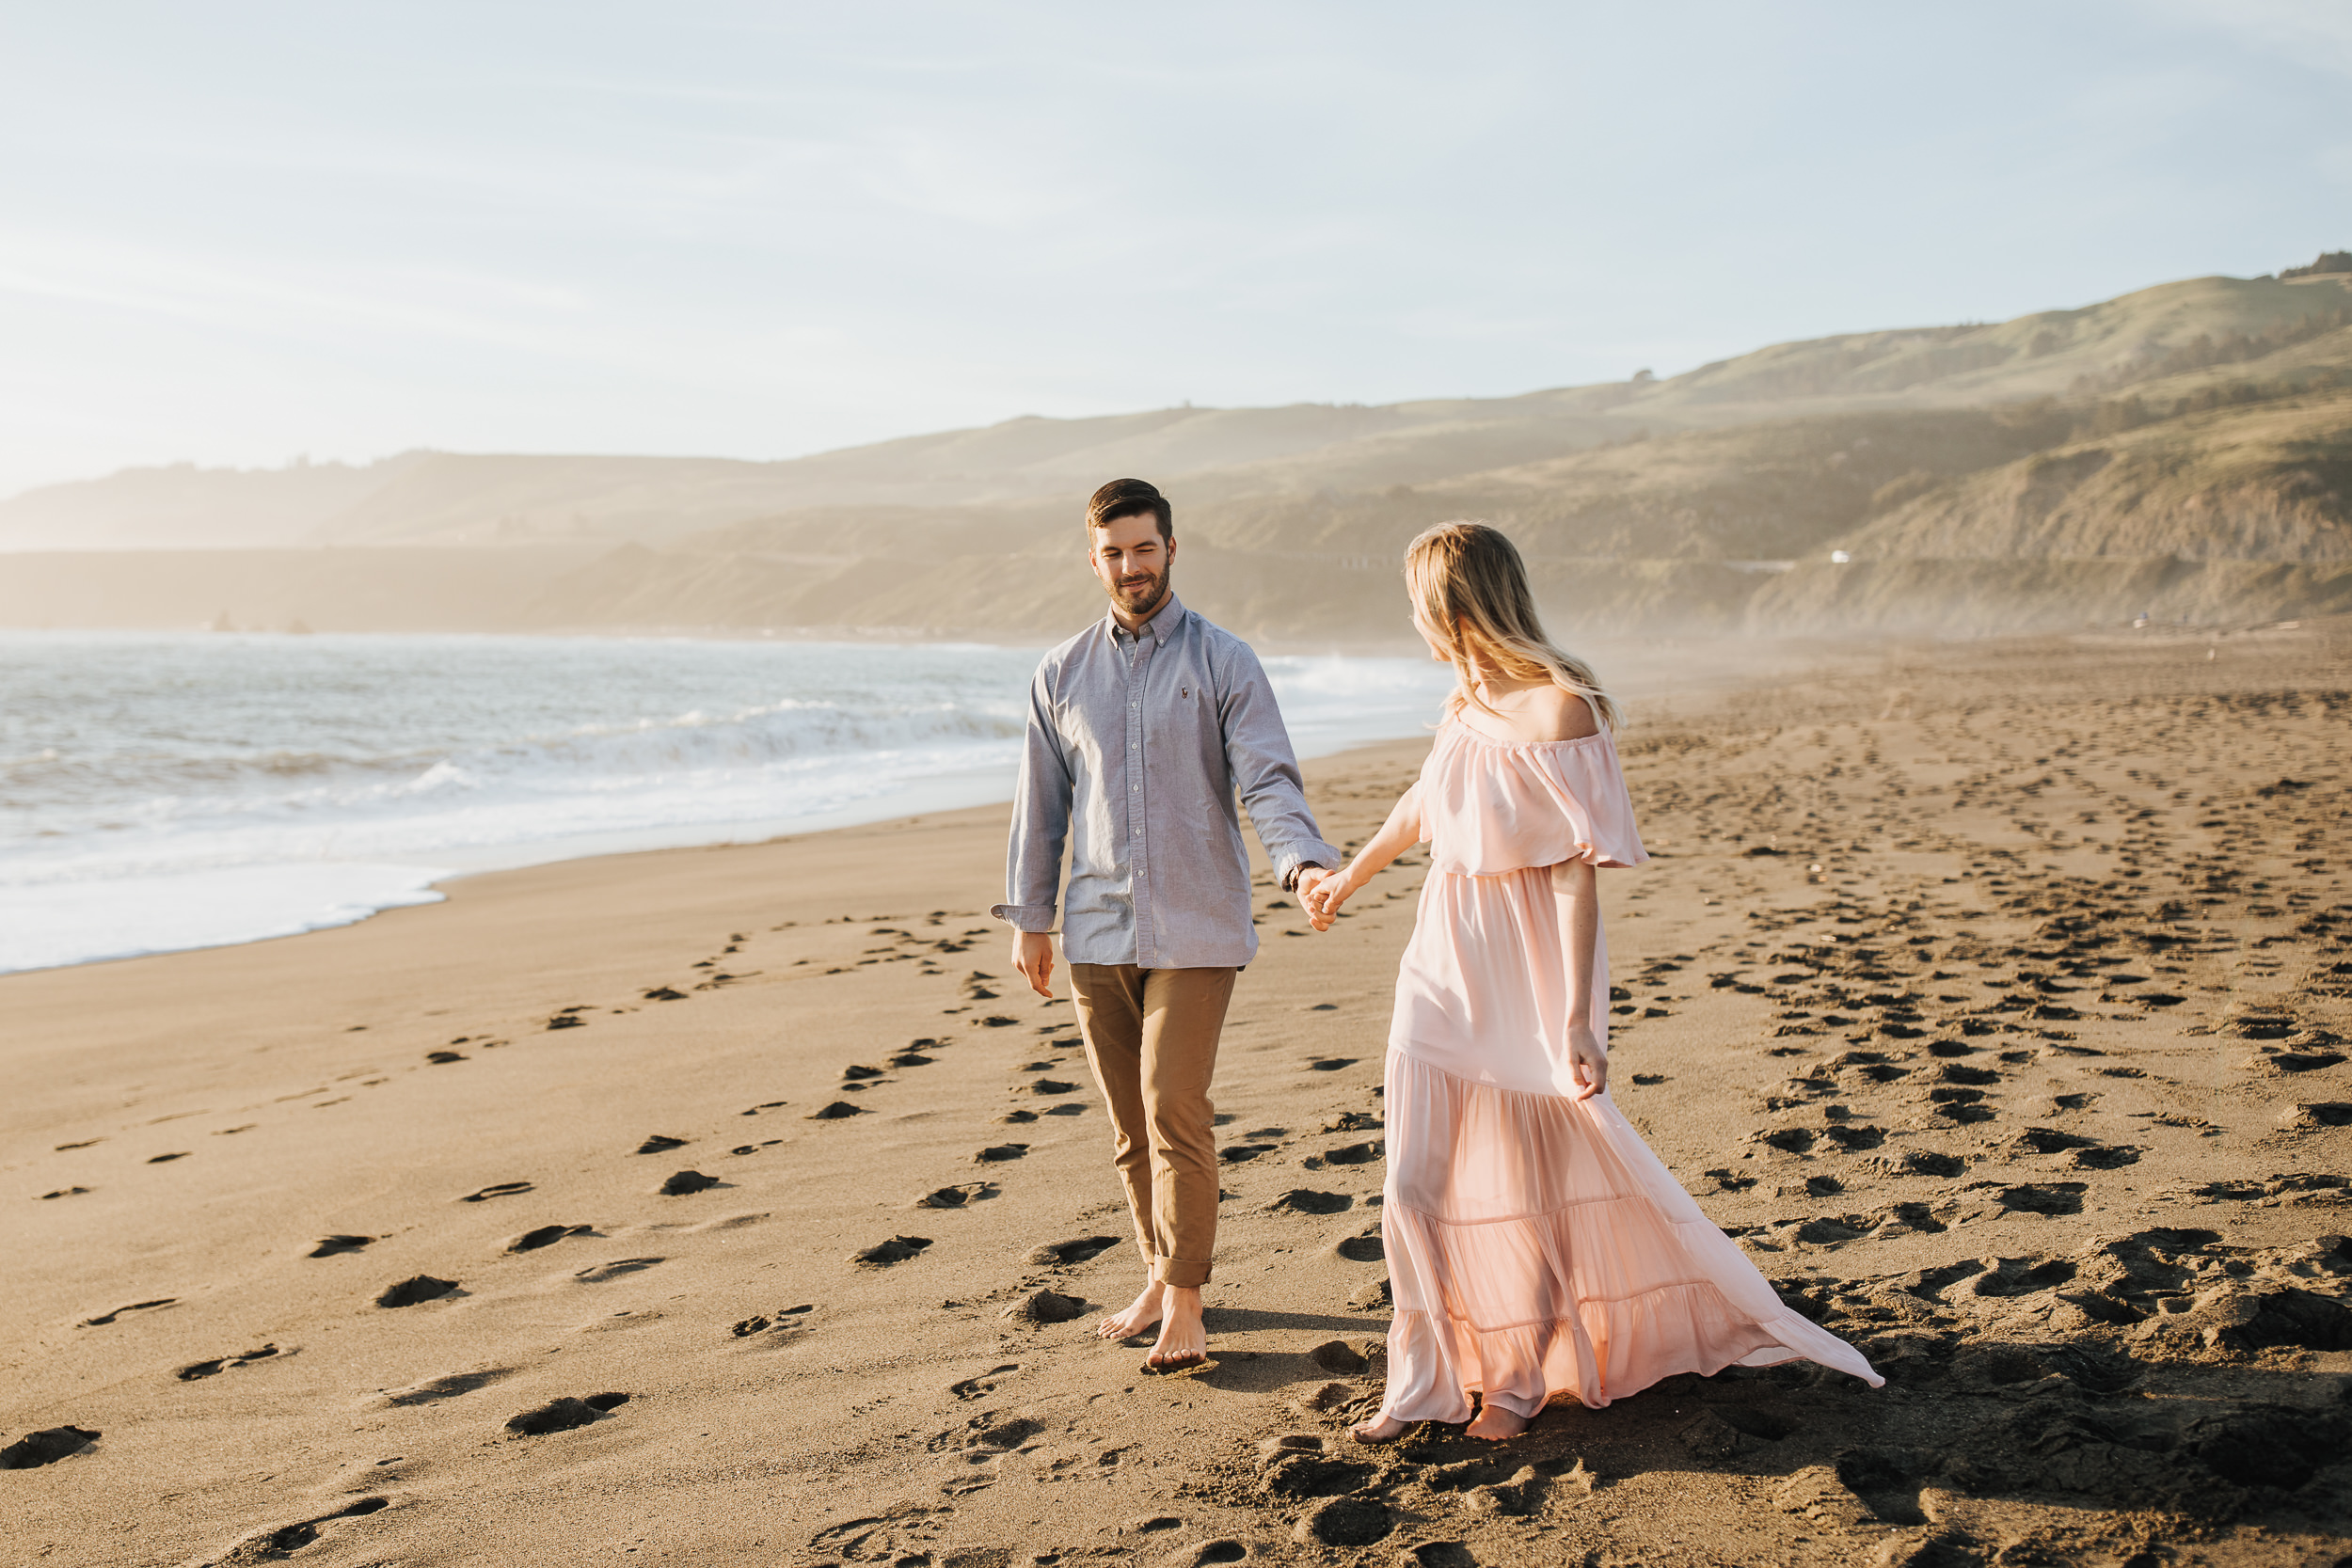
x=1322, y=902
x=1588, y=1061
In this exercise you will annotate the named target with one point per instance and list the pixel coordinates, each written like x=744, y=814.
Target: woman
x=1537, y=1247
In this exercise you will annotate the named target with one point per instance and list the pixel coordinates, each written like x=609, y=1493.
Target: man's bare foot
x=1380, y=1429
x=1184, y=1341
x=1495, y=1424
x=1140, y=1315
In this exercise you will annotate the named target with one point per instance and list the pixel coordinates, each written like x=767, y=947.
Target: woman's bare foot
x=1380, y=1429
x=1495, y=1424
x=1184, y=1341
x=1140, y=1315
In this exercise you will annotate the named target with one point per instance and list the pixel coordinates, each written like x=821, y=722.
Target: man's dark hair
x=1130, y=497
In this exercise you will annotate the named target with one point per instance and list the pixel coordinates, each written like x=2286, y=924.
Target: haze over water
x=162, y=791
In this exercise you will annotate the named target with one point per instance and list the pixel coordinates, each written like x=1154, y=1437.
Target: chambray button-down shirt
x=1137, y=743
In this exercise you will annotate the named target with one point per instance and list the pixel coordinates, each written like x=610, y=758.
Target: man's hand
x=1588, y=1063
x=1033, y=956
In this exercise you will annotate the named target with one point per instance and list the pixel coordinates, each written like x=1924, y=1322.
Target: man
x=1141, y=729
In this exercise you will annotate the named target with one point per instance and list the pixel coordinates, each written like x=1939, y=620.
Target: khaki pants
x=1152, y=1038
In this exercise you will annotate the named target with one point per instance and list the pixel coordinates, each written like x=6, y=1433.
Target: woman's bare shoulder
x=1552, y=713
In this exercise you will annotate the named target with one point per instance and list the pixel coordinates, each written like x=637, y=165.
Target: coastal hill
x=2182, y=452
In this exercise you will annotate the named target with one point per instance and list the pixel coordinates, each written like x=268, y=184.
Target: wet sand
x=1991, y=994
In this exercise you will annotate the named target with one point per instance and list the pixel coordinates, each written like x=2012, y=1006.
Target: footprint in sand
x=275, y=1542
x=418, y=1288
x=65, y=1191
x=658, y=1142
x=334, y=1247
x=196, y=1370
x=837, y=1110
x=546, y=1235
x=597, y=1274
x=2053, y=1197
x=435, y=1389
x=664, y=993
x=1330, y=1063
x=911, y=1058
x=985, y=1384
x=1234, y=1154
x=896, y=1250
x=1922, y=1162
x=1052, y=1086
x=563, y=1415
x=856, y=1072
x=687, y=1182
x=961, y=1195
x=785, y=1321
x=135, y=1307
x=1045, y=1307
x=167, y=1159
x=502, y=1189
x=36, y=1449
x=1064, y=1254
x=442, y=1059
x=1365, y=1247
x=1306, y=1200
x=998, y=1153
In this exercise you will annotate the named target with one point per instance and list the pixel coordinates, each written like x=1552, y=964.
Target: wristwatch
x=1290, y=877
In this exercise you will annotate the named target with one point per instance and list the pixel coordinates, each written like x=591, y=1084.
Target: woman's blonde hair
x=1470, y=594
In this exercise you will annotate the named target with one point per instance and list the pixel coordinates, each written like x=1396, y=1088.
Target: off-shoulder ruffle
x=1495, y=806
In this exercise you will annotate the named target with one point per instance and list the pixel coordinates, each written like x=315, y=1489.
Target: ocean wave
x=143, y=763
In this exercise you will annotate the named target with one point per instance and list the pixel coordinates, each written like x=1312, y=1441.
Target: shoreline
x=254, y=858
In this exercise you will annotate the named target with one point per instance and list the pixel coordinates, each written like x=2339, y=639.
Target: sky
x=239, y=233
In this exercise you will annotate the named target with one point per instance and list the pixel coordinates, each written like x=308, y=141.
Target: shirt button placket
x=1138, y=806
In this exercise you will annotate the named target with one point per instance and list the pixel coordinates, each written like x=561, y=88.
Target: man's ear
x=1168, y=545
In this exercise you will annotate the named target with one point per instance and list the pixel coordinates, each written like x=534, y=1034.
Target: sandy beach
x=1991, y=994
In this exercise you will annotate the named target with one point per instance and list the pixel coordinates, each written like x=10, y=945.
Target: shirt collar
x=1159, y=628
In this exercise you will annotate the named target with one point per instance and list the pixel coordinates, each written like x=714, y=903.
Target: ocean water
x=161, y=791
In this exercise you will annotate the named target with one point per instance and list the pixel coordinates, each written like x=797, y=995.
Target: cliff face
x=2270, y=482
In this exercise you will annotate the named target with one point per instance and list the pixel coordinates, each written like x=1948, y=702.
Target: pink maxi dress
x=1537, y=1247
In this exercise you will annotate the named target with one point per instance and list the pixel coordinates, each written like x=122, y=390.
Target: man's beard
x=1142, y=597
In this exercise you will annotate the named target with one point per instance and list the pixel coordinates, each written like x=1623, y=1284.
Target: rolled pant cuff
x=1183, y=1272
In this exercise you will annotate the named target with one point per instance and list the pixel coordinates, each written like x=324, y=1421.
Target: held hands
x=1321, y=893
x=1588, y=1062
x=1033, y=956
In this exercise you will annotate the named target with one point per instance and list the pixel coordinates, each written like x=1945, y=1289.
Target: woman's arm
x=1400, y=832
x=1580, y=894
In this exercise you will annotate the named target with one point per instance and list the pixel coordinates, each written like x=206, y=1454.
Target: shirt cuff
x=1025, y=917
x=1290, y=877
